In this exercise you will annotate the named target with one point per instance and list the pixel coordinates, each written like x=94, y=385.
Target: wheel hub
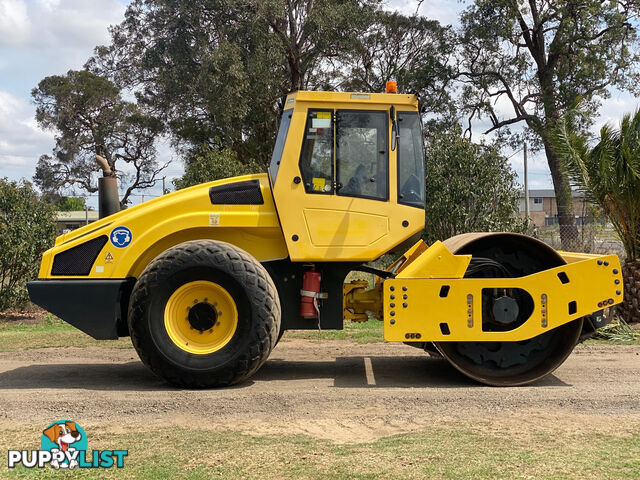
x=505, y=310
x=202, y=316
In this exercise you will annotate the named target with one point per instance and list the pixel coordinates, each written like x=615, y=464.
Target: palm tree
x=609, y=175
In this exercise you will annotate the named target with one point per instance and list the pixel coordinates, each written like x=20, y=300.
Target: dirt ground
x=335, y=390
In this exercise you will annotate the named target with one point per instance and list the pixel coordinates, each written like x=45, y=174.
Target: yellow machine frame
x=453, y=306
x=333, y=228
x=111, y=278
x=178, y=217
x=326, y=227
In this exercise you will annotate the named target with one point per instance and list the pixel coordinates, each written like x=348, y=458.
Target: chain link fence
x=588, y=237
x=599, y=237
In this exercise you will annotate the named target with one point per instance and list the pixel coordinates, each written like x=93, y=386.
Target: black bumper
x=97, y=307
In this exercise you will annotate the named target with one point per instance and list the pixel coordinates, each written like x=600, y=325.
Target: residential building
x=67, y=221
x=543, y=208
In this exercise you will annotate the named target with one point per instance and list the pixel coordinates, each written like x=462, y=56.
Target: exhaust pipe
x=108, y=198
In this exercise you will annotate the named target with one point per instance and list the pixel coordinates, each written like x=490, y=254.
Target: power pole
x=526, y=187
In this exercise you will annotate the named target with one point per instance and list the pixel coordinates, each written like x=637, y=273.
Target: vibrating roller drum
x=504, y=255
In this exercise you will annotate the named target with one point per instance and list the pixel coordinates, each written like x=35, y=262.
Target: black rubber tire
x=279, y=337
x=250, y=286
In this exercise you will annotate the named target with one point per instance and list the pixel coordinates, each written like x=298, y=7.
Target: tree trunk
x=561, y=186
x=294, y=71
x=628, y=309
x=566, y=219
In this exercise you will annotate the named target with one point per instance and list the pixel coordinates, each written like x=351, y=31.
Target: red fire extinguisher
x=310, y=293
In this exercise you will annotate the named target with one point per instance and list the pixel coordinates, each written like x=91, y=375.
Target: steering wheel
x=410, y=190
x=354, y=186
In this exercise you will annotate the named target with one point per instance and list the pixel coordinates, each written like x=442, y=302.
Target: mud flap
x=97, y=307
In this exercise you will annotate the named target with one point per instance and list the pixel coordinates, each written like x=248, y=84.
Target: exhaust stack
x=108, y=198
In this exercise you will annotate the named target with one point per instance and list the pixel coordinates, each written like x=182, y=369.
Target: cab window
x=410, y=160
x=316, y=158
x=362, y=154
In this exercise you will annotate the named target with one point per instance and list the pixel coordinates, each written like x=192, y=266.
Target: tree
x=414, y=51
x=70, y=204
x=470, y=187
x=27, y=229
x=91, y=119
x=313, y=32
x=609, y=174
x=209, y=68
x=207, y=165
x=215, y=70
x=539, y=57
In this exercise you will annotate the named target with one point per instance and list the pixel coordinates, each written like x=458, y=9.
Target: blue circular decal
x=120, y=237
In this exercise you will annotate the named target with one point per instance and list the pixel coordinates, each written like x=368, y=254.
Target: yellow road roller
x=205, y=280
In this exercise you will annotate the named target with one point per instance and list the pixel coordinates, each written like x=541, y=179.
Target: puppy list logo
x=64, y=445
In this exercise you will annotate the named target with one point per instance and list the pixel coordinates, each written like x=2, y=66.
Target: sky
x=49, y=37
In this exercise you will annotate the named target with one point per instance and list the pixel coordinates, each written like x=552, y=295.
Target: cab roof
x=352, y=97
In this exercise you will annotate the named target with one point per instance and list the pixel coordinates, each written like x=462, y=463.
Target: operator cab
x=348, y=169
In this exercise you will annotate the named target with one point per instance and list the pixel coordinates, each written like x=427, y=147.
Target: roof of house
x=550, y=193
x=77, y=216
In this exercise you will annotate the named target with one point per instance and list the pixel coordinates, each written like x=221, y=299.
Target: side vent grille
x=79, y=259
x=240, y=193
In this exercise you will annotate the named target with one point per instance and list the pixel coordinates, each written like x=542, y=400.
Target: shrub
x=27, y=229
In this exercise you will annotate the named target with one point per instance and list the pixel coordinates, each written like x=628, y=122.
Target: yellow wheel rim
x=200, y=317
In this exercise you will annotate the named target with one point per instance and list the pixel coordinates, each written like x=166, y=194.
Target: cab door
x=336, y=201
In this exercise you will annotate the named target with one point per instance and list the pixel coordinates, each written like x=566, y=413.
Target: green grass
x=618, y=332
x=53, y=332
x=50, y=332
x=458, y=452
x=365, y=332
x=604, y=341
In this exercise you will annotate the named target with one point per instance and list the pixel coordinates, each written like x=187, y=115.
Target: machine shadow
x=384, y=372
x=130, y=376
x=346, y=372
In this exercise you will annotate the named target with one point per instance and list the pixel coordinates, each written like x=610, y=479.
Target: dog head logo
x=67, y=438
x=63, y=434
